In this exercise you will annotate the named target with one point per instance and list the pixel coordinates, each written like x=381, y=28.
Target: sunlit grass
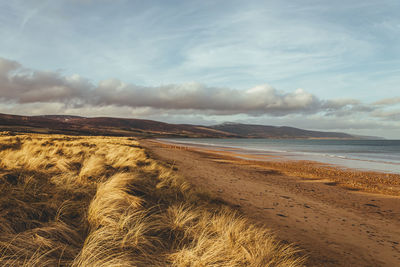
x=101, y=201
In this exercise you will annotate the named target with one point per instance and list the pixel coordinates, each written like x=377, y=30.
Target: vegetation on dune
x=101, y=201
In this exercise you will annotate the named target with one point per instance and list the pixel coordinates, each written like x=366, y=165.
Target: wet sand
x=333, y=225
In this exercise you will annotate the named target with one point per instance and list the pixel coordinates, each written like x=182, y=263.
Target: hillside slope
x=103, y=126
x=262, y=131
x=77, y=125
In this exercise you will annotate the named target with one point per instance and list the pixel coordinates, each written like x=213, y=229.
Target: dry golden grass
x=101, y=201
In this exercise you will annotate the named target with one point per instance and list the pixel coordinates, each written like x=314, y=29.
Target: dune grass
x=101, y=201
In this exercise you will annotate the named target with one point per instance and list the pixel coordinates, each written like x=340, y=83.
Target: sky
x=320, y=65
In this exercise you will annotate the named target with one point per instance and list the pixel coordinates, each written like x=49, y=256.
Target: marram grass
x=101, y=201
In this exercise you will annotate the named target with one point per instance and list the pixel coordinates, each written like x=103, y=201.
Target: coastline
x=362, y=155
x=339, y=217
x=350, y=178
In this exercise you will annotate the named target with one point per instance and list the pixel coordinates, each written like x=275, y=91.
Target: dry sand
x=333, y=225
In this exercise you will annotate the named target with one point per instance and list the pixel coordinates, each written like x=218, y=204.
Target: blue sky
x=326, y=65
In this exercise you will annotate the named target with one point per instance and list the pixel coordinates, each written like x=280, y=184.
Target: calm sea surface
x=378, y=155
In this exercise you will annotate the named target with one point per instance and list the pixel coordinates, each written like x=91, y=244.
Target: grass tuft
x=101, y=201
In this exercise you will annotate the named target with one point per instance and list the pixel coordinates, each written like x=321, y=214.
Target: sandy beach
x=335, y=220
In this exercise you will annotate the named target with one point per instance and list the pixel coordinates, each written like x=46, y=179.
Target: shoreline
x=350, y=178
x=326, y=158
x=336, y=221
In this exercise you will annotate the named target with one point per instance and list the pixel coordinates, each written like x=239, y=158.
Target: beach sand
x=333, y=223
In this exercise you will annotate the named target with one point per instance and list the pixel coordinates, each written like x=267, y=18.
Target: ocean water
x=375, y=155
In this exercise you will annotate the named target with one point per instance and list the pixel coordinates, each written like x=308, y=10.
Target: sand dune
x=102, y=201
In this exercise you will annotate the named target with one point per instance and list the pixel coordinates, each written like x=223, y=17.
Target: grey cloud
x=7, y=66
x=321, y=122
x=27, y=86
x=391, y=115
x=388, y=101
x=258, y=100
x=339, y=103
x=346, y=107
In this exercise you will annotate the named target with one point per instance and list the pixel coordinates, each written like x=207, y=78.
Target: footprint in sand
x=371, y=205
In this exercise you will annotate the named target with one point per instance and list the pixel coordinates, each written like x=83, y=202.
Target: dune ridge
x=102, y=201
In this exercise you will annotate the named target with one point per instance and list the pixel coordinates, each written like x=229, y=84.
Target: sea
x=370, y=155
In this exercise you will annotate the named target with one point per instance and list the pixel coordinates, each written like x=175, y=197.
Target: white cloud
x=27, y=86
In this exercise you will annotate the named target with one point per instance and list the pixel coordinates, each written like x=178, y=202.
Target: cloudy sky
x=324, y=65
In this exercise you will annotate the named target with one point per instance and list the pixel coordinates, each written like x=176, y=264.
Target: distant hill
x=76, y=125
x=262, y=131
